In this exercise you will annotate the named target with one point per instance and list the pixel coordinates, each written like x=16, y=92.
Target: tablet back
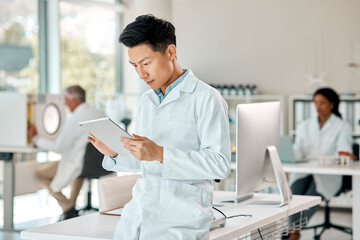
x=109, y=133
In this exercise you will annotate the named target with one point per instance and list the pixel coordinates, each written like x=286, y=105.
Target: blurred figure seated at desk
x=324, y=135
x=71, y=144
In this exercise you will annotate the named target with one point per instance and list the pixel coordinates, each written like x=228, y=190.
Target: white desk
x=351, y=170
x=101, y=227
x=8, y=193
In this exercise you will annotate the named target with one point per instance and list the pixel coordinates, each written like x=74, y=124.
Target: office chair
x=92, y=169
x=345, y=187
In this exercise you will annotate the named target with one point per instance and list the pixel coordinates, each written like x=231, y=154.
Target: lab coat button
x=148, y=187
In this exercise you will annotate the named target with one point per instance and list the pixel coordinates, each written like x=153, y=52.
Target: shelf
x=310, y=98
x=301, y=107
x=254, y=97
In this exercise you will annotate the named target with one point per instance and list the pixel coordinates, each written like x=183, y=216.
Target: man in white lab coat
x=181, y=144
x=71, y=144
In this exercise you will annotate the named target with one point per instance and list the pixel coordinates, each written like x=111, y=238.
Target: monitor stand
x=237, y=199
x=283, y=186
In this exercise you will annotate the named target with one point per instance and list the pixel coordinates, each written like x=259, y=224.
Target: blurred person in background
x=71, y=144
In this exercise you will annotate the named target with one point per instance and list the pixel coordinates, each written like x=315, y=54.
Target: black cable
x=260, y=234
x=219, y=211
x=239, y=215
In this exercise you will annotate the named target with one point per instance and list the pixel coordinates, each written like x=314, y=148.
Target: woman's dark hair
x=148, y=29
x=332, y=96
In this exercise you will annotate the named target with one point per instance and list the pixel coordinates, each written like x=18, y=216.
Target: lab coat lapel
x=328, y=123
x=153, y=98
x=172, y=96
x=187, y=85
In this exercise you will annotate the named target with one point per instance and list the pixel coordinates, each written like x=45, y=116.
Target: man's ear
x=171, y=52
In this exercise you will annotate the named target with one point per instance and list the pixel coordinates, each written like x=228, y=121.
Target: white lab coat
x=173, y=199
x=71, y=144
x=310, y=140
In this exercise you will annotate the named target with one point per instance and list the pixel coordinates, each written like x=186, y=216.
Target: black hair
x=332, y=96
x=148, y=29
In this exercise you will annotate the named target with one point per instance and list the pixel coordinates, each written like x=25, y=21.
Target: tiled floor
x=37, y=209
x=341, y=217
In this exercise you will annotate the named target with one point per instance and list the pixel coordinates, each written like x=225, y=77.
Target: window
x=19, y=46
x=88, y=38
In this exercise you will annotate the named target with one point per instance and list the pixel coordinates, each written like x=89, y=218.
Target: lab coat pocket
x=180, y=203
x=131, y=209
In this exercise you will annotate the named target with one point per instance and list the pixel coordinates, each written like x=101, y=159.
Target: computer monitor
x=258, y=164
x=13, y=127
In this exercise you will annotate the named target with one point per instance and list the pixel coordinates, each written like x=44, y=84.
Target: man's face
x=71, y=103
x=153, y=67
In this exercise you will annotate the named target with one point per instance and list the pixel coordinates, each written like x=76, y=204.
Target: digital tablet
x=109, y=133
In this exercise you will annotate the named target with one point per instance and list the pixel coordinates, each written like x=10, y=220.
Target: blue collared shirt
x=171, y=86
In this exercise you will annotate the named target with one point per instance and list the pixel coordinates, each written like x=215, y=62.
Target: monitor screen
x=13, y=125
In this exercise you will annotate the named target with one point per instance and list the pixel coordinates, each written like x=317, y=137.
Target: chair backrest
x=347, y=180
x=355, y=150
x=109, y=198
x=92, y=167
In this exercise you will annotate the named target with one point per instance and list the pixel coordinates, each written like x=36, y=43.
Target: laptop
x=287, y=154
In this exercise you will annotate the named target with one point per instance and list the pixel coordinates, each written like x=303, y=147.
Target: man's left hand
x=32, y=132
x=143, y=148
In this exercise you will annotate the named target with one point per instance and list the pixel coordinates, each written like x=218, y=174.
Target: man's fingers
x=134, y=145
x=138, y=137
x=131, y=148
x=92, y=136
x=90, y=139
x=128, y=140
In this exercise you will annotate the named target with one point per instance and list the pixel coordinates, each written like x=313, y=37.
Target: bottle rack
x=275, y=230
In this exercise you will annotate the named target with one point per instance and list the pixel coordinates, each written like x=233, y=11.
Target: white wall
x=134, y=8
x=270, y=43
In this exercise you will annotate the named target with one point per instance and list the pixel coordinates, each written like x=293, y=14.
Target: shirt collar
x=188, y=85
x=171, y=86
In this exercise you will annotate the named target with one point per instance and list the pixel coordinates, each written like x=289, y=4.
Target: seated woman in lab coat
x=324, y=135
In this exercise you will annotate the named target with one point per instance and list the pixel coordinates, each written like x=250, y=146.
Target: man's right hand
x=101, y=146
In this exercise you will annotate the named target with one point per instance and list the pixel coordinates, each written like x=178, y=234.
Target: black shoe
x=284, y=237
x=69, y=214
